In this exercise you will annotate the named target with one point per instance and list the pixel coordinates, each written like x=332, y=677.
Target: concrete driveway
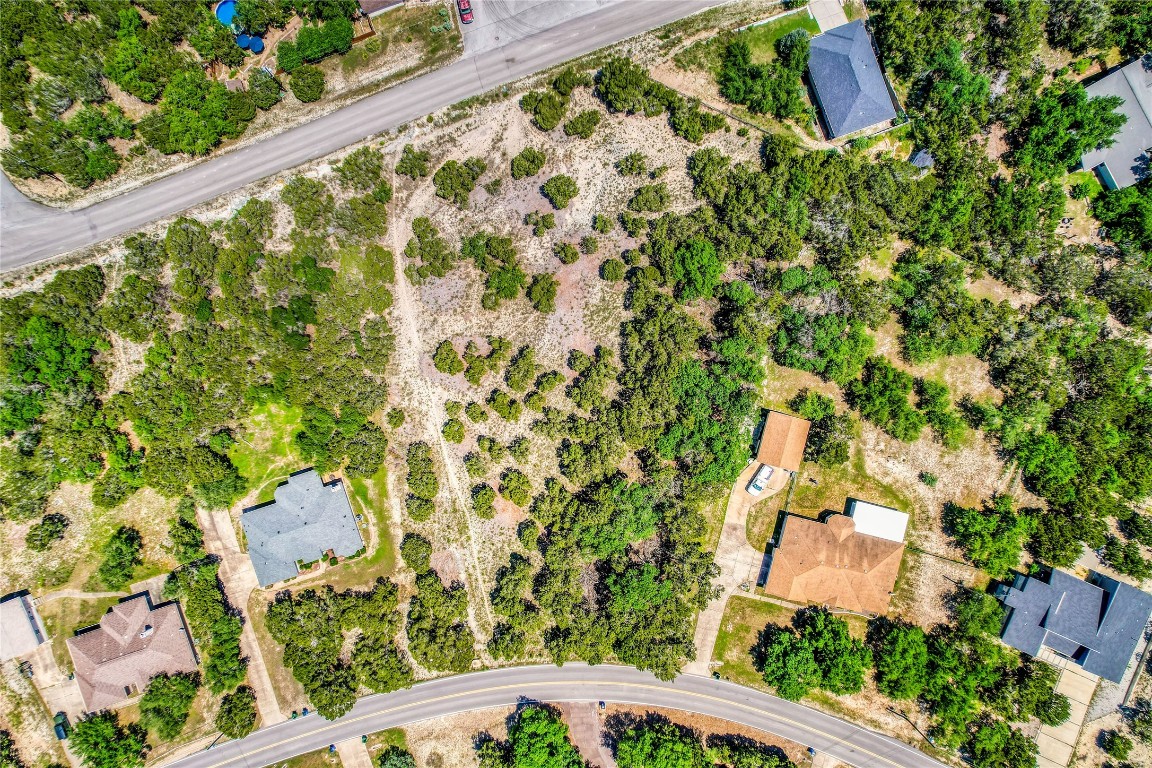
x=829, y=14
x=239, y=579
x=739, y=562
x=500, y=22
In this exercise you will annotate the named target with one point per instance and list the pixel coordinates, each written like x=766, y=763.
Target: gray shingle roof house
x=308, y=518
x=849, y=85
x=1095, y=623
x=1126, y=161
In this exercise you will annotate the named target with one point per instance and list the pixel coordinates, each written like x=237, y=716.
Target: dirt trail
x=239, y=581
x=408, y=334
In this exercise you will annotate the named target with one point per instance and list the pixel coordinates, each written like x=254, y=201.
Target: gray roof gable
x=848, y=81
x=1126, y=161
x=308, y=518
x=1097, y=624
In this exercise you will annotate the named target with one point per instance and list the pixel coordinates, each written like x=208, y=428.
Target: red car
x=465, y=8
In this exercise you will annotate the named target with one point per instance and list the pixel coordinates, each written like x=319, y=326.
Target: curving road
x=30, y=232
x=840, y=740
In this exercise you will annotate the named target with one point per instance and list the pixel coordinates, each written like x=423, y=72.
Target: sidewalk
x=1058, y=744
x=829, y=14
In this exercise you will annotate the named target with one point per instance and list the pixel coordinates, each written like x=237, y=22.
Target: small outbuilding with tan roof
x=782, y=441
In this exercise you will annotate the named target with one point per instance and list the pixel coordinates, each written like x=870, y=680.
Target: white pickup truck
x=759, y=481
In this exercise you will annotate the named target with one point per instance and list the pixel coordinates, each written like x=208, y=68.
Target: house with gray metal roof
x=308, y=519
x=1125, y=161
x=847, y=80
x=1095, y=623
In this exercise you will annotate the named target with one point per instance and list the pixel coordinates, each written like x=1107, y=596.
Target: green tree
x=455, y=181
x=658, y=743
x=121, y=558
x=991, y=537
x=413, y=163
x=41, y=535
x=529, y=162
x=559, y=190
x=237, y=716
x=650, y=197
x=102, y=742
x=1062, y=125
x=166, y=703
x=446, y=360
x=541, y=293
x=901, y=653
x=307, y=83
x=416, y=552
x=583, y=125
x=395, y=757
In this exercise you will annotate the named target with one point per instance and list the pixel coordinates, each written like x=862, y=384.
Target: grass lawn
x=744, y=618
x=265, y=453
x=318, y=759
x=1084, y=177
x=289, y=693
x=706, y=55
x=415, y=24
x=64, y=616
x=381, y=740
x=762, y=39
x=369, y=497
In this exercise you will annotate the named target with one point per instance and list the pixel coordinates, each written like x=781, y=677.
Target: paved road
x=573, y=682
x=30, y=232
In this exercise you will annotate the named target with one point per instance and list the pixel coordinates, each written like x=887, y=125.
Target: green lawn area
x=265, y=453
x=369, y=497
x=1084, y=177
x=381, y=740
x=832, y=488
x=318, y=759
x=706, y=55
x=762, y=39
x=744, y=617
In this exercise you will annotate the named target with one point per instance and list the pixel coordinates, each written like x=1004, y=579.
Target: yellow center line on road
x=521, y=686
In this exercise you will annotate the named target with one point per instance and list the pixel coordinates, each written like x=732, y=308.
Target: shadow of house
x=307, y=519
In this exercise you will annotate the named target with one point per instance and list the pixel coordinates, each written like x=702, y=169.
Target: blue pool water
x=226, y=11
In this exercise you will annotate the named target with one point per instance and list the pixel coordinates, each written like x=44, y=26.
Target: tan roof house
x=782, y=441
x=21, y=630
x=135, y=640
x=832, y=563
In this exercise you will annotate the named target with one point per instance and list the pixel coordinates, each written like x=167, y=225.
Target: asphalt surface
x=30, y=232
x=511, y=686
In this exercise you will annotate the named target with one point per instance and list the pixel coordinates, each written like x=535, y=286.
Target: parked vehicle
x=61, y=725
x=760, y=480
x=465, y=8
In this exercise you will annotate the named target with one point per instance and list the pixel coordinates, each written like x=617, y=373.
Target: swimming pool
x=225, y=11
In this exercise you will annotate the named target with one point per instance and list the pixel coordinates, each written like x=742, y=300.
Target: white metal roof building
x=21, y=629
x=875, y=520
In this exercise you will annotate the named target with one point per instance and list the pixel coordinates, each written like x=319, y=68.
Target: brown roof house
x=782, y=441
x=135, y=640
x=833, y=563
